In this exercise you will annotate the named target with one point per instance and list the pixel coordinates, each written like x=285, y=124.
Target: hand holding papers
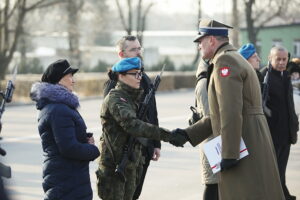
x=213, y=151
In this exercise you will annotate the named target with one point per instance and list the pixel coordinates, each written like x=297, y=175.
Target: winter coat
x=64, y=142
x=236, y=112
x=283, y=122
x=202, y=107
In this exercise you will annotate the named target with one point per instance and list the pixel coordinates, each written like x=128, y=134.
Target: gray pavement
x=175, y=176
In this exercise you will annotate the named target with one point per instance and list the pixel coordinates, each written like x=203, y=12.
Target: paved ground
x=175, y=176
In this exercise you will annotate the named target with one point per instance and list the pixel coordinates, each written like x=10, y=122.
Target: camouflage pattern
x=119, y=121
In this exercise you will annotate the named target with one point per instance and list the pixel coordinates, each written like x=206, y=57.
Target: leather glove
x=228, y=163
x=178, y=137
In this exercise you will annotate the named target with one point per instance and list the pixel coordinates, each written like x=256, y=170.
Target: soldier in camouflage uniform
x=119, y=121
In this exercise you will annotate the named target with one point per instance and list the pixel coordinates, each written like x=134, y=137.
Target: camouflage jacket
x=119, y=121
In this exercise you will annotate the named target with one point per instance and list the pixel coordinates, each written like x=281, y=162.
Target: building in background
x=177, y=45
x=287, y=35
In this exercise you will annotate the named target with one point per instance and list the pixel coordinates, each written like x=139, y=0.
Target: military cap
x=57, y=70
x=211, y=27
x=127, y=64
x=247, y=50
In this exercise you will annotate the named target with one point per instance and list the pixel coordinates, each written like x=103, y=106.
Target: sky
x=209, y=7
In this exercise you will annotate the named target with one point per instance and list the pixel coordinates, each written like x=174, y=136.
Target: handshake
x=178, y=137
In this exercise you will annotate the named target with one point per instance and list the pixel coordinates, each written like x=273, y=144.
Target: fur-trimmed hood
x=44, y=93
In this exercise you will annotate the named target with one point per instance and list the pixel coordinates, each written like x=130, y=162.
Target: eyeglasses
x=136, y=74
x=136, y=49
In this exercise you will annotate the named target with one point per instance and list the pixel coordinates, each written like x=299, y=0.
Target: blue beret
x=247, y=50
x=127, y=64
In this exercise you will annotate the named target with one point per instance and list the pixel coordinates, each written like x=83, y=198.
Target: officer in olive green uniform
x=235, y=112
x=119, y=121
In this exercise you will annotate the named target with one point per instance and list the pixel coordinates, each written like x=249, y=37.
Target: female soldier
x=66, y=145
x=119, y=122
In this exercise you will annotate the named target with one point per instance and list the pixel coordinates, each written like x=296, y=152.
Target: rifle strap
x=108, y=145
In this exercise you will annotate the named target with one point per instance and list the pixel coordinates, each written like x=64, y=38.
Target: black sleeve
x=146, y=84
x=108, y=85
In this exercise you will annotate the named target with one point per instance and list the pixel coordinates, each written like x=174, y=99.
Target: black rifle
x=129, y=147
x=5, y=171
x=265, y=91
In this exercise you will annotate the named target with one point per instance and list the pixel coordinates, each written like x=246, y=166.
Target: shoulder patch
x=225, y=71
x=122, y=99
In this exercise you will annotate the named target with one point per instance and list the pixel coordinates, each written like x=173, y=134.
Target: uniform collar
x=222, y=49
x=134, y=93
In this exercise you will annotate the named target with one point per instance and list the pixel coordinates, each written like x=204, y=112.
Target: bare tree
x=74, y=8
x=140, y=13
x=259, y=13
x=199, y=17
x=100, y=21
x=12, y=17
x=235, y=23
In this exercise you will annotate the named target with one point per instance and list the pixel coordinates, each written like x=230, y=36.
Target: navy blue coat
x=64, y=141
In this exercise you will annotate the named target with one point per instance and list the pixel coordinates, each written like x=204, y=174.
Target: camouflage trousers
x=111, y=187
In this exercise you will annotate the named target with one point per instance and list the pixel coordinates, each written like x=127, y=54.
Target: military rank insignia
x=225, y=71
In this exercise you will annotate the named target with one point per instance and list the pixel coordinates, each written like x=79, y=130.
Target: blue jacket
x=64, y=141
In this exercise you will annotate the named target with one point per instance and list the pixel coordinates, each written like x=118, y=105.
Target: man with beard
x=128, y=47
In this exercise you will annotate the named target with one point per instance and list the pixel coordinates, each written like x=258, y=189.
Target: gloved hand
x=178, y=137
x=228, y=163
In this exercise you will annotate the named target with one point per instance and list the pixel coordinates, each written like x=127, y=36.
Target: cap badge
x=225, y=71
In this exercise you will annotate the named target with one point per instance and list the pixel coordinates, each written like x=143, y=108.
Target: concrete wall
x=91, y=84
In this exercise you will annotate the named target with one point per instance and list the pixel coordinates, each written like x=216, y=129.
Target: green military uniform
x=235, y=111
x=119, y=121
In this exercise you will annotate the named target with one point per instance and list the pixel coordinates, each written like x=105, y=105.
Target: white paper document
x=213, y=152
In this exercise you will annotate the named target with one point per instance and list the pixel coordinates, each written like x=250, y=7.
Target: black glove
x=228, y=163
x=178, y=137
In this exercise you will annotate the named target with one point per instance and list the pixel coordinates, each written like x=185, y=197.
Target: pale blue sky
x=187, y=6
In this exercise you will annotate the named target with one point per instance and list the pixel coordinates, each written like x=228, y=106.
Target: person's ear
x=121, y=54
x=121, y=76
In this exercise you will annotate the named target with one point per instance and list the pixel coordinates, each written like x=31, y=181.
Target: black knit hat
x=55, y=71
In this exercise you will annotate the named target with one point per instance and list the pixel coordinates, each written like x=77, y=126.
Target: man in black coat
x=127, y=47
x=283, y=121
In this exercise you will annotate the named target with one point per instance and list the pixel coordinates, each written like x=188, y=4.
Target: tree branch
x=121, y=15
x=43, y=4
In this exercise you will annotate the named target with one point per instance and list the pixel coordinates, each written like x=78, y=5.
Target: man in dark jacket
x=127, y=47
x=283, y=121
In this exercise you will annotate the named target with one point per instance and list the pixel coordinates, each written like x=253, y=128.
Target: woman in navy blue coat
x=66, y=145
